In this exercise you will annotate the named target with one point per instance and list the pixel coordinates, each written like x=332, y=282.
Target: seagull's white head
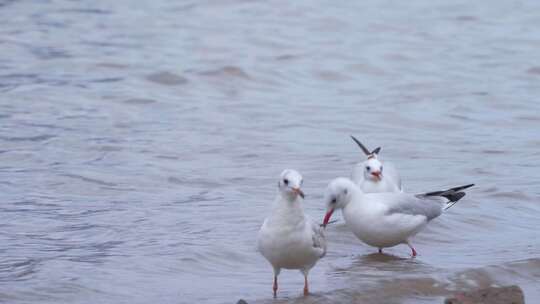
x=373, y=169
x=338, y=195
x=290, y=182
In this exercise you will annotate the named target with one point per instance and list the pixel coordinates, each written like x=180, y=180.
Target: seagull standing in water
x=288, y=238
x=369, y=175
x=387, y=219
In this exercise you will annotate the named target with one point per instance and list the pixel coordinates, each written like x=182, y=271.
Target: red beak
x=377, y=175
x=298, y=191
x=327, y=217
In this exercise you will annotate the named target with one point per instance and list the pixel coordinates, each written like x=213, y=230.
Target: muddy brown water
x=140, y=144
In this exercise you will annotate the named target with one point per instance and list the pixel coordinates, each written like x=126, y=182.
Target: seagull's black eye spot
x=345, y=191
x=286, y=181
x=368, y=168
x=381, y=168
x=333, y=201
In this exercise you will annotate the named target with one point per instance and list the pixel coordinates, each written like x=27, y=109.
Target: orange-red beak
x=298, y=191
x=377, y=175
x=327, y=217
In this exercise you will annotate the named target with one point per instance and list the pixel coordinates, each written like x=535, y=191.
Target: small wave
x=287, y=57
x=17, y=269
x=331, y=76
x=534, y=71
x=90, y=180
x=466, y=18
x=520, y=196
x=460, y=117
x=167, y=78
x=207, y=184
x=6, y=3
x=367, y=69
x=111, y=65
x=227, y=71
x=47, y=53
x=533, y=118
x=107, y=80
x=28, y=138
x=139, y=101
x=488, y=151
x=92, y=11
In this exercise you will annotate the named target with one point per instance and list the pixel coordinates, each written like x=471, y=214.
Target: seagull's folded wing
x=318, y=237
x=430, y=207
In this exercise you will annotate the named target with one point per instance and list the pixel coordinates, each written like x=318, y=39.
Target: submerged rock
x=492, y=295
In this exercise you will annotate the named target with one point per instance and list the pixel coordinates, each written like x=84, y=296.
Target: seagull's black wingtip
x=461, y=187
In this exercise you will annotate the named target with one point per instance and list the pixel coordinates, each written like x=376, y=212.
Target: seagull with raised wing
x=387, y=219
x=369, y=174
x=288, y=238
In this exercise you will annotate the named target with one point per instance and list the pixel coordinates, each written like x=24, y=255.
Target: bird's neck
x=288, y=207
x=355, y=193
x=375, y=184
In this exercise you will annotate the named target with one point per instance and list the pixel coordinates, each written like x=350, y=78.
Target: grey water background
x=141, y=142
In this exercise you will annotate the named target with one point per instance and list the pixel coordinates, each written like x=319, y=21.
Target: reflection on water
x=140, y=143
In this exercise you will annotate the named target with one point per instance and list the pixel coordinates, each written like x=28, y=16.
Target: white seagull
x=288, y=238
x=369, y=175
x=387, y=219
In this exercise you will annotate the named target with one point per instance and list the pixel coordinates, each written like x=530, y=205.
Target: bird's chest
x=360, y=218
x=377, y=187
x=291, y=238
x=289, y=248
x=370, y=225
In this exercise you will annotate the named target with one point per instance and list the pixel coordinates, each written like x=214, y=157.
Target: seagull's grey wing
x=391, y=172
x=430, y=207
x=318, y=237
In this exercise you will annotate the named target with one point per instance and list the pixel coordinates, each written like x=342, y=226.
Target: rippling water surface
x=140, y=143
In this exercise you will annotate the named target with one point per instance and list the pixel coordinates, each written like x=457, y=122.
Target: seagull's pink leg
x=412, y=249
x=306, y=289
x=274, y=288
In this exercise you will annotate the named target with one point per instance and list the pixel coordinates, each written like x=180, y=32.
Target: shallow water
x=140, y=144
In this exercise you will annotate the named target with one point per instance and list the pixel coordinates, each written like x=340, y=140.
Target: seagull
x=369, y=173
x=387, y=219
x=288, y=238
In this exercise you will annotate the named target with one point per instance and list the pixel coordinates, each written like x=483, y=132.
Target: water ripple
x=141, y=146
